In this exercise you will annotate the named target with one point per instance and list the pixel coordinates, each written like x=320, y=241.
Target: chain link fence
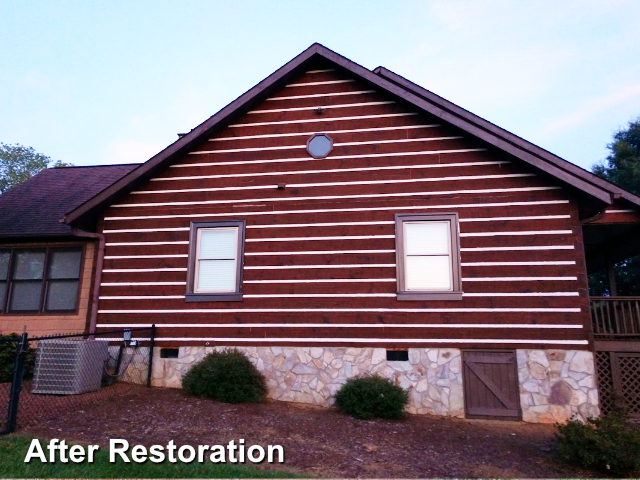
x=43, y=377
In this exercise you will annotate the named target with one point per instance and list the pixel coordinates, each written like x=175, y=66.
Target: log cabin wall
x=319, y=264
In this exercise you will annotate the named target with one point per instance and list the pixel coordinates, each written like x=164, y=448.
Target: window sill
x=420, y=296
x=34, y=313
x=213, y=297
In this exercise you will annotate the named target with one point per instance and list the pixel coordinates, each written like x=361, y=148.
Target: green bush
x=227, y=376
x=372, y=397
x=610, y=444
x=8, y=344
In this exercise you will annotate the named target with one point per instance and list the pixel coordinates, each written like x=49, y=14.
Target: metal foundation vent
x=68, y=367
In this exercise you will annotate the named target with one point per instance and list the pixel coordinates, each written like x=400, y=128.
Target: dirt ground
x=319, y=442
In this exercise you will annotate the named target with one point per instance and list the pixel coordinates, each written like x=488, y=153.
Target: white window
x=427, y=257
x=215, y=261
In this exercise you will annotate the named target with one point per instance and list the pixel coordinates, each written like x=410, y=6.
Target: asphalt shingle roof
x=34, y=208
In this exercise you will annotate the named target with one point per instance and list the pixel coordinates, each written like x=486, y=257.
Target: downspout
x=98, y=273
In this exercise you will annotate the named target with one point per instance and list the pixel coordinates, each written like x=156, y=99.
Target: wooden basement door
x=491, y=385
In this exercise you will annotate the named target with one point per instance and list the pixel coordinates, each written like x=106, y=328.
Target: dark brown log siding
x=305, y=306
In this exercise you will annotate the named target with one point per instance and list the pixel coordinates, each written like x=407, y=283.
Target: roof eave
x=518, y=142
x=185, y=142
x=29, y=237
x=386, y=80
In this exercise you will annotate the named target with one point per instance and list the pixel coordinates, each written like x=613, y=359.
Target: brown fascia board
x=405, y=93
x=410, y=97
x=509, y=137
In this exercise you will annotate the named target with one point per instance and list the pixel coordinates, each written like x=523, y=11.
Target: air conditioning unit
x=68, y=367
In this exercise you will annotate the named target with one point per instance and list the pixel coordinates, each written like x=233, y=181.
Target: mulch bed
x=35, y=408
x=319, y=442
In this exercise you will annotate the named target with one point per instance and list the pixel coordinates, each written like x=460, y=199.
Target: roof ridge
x=600, y=193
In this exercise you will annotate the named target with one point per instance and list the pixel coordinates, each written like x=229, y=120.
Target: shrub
x=610, y=444
x=371, y=397
x=227, y=376
x=8, y=344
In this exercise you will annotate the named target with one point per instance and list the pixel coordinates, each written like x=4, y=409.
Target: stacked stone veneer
x=432, y=376
x=133, y=364
x=314, y=375
x=556, y=385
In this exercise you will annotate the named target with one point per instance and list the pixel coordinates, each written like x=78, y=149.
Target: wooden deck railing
x=616, y=317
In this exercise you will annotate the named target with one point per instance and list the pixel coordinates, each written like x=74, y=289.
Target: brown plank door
x=491, y=385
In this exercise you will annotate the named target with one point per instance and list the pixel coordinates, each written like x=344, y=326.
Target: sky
x=105, y=82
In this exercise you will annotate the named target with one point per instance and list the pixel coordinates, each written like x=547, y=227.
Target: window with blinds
x=427, y=257
x=215, y=261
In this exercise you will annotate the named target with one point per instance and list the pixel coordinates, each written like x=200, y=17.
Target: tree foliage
x=627, y=279
x=622, y=167
x=8, y=344
x=19, y=163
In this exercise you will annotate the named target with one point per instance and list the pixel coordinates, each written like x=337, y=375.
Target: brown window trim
x=190, y=295
x=318, y=135
x=48, y=248
x=402, y=294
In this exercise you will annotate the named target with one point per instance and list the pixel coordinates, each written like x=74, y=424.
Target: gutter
x=98, y=273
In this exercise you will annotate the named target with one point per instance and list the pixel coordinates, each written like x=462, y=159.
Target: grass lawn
x=14, y=449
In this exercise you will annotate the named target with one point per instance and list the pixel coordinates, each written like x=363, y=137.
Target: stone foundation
x=133, y=365
x=554, y=384
x=314, y=375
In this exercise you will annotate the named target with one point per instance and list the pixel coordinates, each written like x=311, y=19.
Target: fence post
x=16, y=383
x=151, y=342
